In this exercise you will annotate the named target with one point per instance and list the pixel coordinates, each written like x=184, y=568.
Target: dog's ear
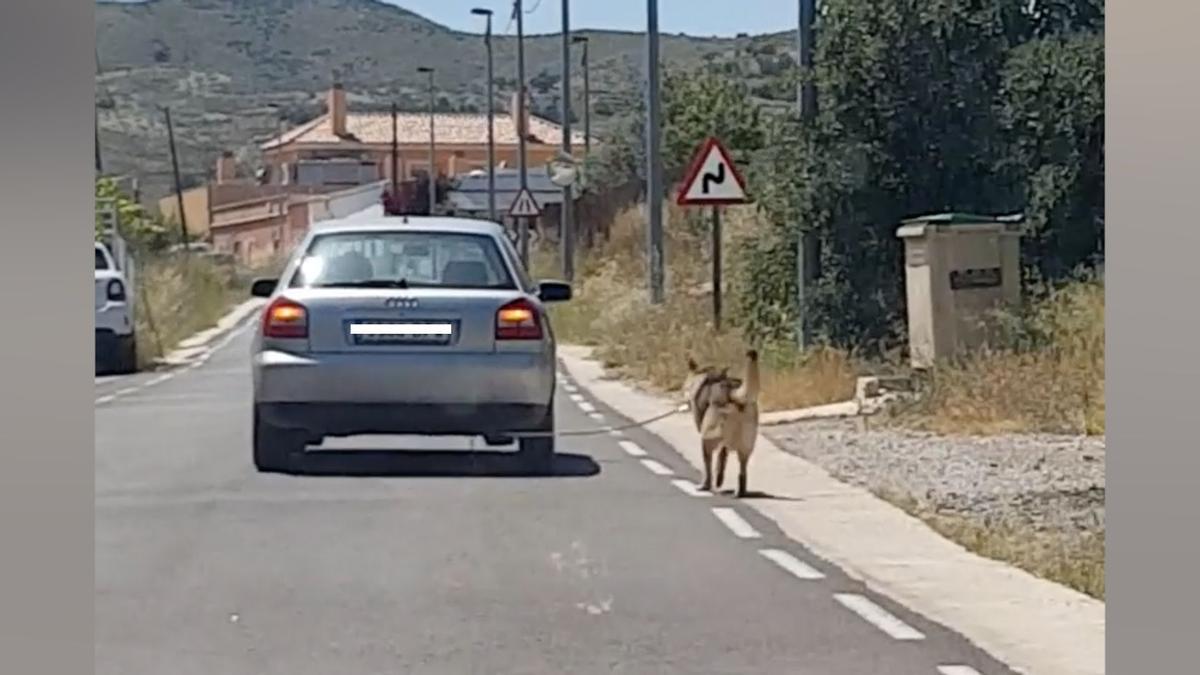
x=752, y=354
x=691, y=364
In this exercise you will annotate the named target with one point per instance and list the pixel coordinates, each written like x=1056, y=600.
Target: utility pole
x=99, y=162
x=522, y=132
x=653, y=161
x=96, y=118
x=491, y=112
x=567, y=226
x=395, y=155
x=587, y=95
x=432, y=142
x=806, y=104
x=183, y=233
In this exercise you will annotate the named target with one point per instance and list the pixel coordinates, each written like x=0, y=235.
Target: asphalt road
x=411, y=556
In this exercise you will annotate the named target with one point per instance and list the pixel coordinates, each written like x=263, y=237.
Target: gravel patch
x=1050, y=485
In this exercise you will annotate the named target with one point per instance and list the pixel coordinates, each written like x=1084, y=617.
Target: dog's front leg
x=722, y=457
x=707, y=446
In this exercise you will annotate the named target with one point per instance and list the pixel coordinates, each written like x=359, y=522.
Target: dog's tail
x=748, y=391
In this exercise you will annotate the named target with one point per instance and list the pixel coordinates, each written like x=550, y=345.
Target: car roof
x=412, y=223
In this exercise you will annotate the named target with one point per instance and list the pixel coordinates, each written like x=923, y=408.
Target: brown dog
x=725, y=411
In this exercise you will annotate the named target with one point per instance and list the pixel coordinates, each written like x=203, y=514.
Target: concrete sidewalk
x=202, y=342
x=1033, y=625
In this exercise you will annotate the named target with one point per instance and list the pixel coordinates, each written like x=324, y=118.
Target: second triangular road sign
x=524, y=206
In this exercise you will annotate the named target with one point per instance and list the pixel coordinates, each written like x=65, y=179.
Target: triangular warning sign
x=712, y=178
x=524, y=206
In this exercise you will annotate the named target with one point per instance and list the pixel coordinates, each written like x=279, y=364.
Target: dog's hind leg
x=722, y=456
x=743, y=465
x=708, y=445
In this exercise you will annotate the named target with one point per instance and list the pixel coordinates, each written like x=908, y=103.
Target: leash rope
x=601, y=430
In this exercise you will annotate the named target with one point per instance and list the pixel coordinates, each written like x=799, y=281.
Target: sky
x=694, y=17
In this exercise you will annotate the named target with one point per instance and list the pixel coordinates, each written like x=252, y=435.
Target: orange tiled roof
x=413, y=128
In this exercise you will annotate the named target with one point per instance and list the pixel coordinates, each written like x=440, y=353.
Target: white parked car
x=116, y=342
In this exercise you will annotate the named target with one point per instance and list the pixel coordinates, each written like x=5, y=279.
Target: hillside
x=233, y=71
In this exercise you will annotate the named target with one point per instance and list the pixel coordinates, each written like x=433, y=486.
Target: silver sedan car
x=398, y=325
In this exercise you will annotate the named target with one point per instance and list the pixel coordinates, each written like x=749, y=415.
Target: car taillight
x=518, y=320
x=285, y=319
x=116, y=291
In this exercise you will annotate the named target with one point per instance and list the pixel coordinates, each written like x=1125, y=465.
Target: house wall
x=414, y=159
x=195, y=209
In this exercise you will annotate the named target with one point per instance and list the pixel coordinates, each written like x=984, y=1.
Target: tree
x=1052, y=111
x=905, y=127
x=699, y=104
x=137, y=227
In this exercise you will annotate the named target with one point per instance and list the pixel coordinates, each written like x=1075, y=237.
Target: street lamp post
x=654, y=192
x=806, y=104
x=491, y=113
x=567, y=221
x=587, y=94
x=432, y=142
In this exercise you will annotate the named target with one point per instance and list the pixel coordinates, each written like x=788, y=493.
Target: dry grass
x=178, y=297
x=650, y=343
x=1075, y=562
x=1050, y=379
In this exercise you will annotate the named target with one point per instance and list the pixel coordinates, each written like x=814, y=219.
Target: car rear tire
x=273, y=446
x=126, y=358
x=537, y=452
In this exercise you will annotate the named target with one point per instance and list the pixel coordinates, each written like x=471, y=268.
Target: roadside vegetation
x=177, y=294
x=923, y=109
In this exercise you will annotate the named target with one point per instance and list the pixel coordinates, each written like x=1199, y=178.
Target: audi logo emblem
x=401, y=303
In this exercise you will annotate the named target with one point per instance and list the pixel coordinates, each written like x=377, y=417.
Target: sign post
x=523, y=208
x=713, y=180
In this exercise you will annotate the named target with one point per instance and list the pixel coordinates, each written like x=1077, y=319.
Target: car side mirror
x=263, y=288
x=554, y=291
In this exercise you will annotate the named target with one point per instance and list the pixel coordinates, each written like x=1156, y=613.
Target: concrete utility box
x=958, y=268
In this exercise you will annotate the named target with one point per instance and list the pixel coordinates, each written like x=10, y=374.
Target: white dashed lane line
x=791, y=563
x=735, y=523
x=688, y=488
x=632, y=449
x=105, y=399
x=657, y=468
x=596, y=417
x=878, y=617
x=587, y=407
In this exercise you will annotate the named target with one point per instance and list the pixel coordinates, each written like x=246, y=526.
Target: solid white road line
x=688, y=488
x=632, y=449
x=878, y=617
x=791, y=563
x=957, y=670
x=735, y=523
x=657, y=468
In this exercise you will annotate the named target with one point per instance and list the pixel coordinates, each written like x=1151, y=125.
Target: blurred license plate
x=407, y=333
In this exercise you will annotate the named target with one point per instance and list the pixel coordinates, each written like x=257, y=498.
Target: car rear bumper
x=353, y=419
x=453, y=381
x=114, y=317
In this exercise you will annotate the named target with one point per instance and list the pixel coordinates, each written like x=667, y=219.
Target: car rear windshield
x=101, y=261
x=403, y=260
